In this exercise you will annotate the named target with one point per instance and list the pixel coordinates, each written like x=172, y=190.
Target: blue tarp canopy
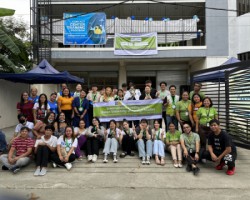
x=44, y=73
x=217, y=75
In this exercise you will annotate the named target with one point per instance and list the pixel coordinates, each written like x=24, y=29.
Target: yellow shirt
x=66, y=102
x=193, y=109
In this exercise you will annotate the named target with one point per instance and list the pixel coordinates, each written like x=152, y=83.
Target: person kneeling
x=22, y=147
x=190, y=143
x=112, y=137
x=44, y=148
x=220, y=148
x=66, y=145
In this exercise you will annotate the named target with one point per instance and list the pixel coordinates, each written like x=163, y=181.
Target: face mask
x=22, y=121
x=62, y=120
x=50, y=121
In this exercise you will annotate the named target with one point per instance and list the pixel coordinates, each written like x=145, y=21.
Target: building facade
x=222, y=32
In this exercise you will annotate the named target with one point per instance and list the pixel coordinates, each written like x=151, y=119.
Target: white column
x=122, y=73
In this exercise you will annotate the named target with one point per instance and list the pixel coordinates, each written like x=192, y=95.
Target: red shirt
x=22, y=144
x=26, y=109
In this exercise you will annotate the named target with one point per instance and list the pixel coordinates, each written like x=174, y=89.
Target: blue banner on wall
x=84, y=29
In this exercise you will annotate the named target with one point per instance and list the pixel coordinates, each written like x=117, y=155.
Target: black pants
x=230, y=164
x=204, y=132
x=93, y=146
x=128, y=144
x=43, y=156
x=190, y=159
x=90, y=113
x=165, y=119
x=68, y=115
x=55, y=158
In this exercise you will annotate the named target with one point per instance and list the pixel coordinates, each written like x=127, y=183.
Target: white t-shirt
x=30, y=125
x=36, y=105
x=51, y=142
x=76, y=130
x=67, y=143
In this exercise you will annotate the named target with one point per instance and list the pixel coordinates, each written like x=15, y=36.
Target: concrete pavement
x=128, y=179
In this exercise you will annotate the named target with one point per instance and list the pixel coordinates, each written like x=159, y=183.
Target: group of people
x=59, y=128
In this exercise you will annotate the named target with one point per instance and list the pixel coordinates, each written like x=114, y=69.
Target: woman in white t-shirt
x=159, y=146
x=44, y=148
x=80, y=133
x=66, y=145
x=112, y=137
x=41, y=108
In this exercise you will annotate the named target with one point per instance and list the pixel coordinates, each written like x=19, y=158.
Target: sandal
x=157, y=161
x=162, y=162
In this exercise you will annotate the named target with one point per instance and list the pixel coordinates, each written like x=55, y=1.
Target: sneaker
x=15, y=169
x=37, y=172
x=90, y=157
x=188, y=168
x=180, y=165
x=196, y=170
x=43, y=171
x=94, y=159
x=231, y=171
x=123, y=155
x=220, y=166
x=5, y=168
x=68, y=166
x=143, y=161
x=54, y=165
x=115, y=159
x=148, y=160
x=204, y=161
x=176, y=165
x=80, y=158
x=105, y=159
x=132, y=154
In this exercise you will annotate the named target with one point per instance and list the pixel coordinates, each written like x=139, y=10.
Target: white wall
x=9, y=96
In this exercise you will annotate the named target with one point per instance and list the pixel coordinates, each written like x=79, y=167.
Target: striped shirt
x=21, y=145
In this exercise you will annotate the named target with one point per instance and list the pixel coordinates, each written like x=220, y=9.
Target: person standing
x=162, y=94
x=204, y=115
x=196, y=103
x=25, y=106
x=221, y=149
x=41, y=108
x=148, y=84
x=33, y=95
x=65, y=104
x=182, y=109
x=53, y=103
x=80, y=105
x=93, y=97
x=197, y=88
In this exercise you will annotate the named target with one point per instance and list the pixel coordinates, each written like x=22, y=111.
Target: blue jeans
x=141, y=144
x=172, y=119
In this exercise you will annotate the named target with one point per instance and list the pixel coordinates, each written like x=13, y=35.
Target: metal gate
x=229, y=88
x=238, y=104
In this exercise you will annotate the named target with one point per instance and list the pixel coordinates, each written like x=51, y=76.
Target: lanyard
x=93, y=96
x=81, y=101
x=173, y=100
x=190, y=139
x=184, y=104
x=158, y=134
x=208, y=114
